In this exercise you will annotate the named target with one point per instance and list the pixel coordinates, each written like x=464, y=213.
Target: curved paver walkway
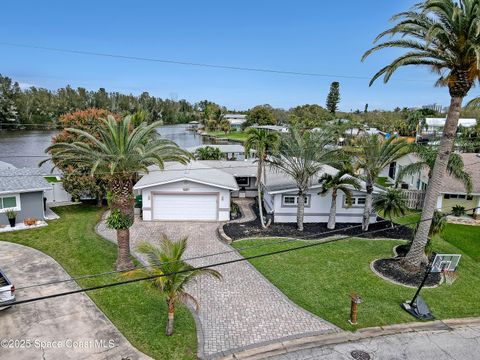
x=243, y=310
x=245, y=206
x=59, y=328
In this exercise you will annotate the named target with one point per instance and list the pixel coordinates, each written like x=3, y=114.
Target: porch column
x=439, y=202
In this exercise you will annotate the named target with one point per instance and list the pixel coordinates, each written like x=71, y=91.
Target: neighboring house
x=280, y=200
x=229, y=151
x=418, y=181
x=236, y=121
x=22, y=190
x=433, y=127
x=453, y=191
x=186, y=192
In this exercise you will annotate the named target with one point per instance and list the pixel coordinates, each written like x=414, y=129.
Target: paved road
x=242, y=310
x=70, y=322
x=460, y=344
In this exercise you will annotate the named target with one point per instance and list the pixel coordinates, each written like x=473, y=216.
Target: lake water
x=27, y=148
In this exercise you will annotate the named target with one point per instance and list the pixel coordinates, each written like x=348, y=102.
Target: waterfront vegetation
x=240, y=136
x=138, y=310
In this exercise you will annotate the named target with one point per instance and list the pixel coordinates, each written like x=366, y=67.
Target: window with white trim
x=10, y=202
x=458, y=196
x=292, y=200
x=356, y=201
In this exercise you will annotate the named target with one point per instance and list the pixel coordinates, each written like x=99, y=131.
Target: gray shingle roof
x=471, y=162
x=194, y=171
x=22, y=180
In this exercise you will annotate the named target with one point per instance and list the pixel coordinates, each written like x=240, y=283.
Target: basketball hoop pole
x=429, y=270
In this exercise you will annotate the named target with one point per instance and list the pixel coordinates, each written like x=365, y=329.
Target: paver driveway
x=242, y=310
x=59, y=328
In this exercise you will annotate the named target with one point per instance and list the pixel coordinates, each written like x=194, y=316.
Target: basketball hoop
x=449, y=277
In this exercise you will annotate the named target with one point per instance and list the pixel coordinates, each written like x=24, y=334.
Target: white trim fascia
x=6, y=192
x=185, y=179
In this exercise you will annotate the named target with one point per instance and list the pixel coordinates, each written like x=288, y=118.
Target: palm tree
x=264, y=142
x=167, y=259
x=119, y=153
x=428, y=156
x=344, y=180
x=373, y=154
x=391, y=203
x=301, y=156
x=444, y=36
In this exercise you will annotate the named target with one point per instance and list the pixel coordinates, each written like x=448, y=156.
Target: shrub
x=118, y=221
x=458, y=210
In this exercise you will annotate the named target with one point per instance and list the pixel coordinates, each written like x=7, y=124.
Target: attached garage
x=185, y=206
x=192, y=192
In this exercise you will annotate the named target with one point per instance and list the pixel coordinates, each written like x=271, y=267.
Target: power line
x=206, y=266
x=194, y=64
x=306, y=237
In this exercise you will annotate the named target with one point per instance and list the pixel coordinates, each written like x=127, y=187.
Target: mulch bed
x=391, y=269
x=314, y=230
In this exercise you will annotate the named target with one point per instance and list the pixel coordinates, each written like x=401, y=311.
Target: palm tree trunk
x=259, y=193
x=416, y=255
x=122, y=190
x=333, y=211
x=300, y=210
x=367, y=210
x=171, y=317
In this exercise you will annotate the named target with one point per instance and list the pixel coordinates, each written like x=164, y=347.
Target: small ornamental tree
x=77, y=181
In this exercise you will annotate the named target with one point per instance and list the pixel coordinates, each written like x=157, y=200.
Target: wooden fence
x=414, y=198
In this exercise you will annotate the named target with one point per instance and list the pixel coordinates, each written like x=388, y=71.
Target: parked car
x=7, y=291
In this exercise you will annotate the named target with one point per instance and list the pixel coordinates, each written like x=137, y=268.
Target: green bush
x=118, y=221
x=458, y=210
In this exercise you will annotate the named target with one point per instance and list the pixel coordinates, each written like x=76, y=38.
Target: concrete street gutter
x=283, y=347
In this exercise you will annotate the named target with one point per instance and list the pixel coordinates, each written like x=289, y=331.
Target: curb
x=283, y=347
x=224, y=237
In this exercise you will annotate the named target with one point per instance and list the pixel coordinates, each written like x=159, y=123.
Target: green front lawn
x=233, y=135
x=464, y=237
x=136, y=309
x=321, y=278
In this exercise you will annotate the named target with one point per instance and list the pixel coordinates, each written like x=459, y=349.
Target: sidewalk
x=436, y=340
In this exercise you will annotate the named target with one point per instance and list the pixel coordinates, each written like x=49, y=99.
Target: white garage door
x=184, y=207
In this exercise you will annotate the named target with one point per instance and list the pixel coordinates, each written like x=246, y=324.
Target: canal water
x=27, y=148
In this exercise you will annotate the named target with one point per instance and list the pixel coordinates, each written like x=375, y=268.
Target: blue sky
x=325, y=37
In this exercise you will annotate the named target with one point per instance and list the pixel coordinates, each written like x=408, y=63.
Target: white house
x=186, y=192
x=434, y=126
x=202, y=191
x=280, y=200
x=418, y=181
x=236, y=120
x=229, y=151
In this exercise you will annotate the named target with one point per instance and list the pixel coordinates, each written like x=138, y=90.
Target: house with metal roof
x=22, y=191
x=236, y=120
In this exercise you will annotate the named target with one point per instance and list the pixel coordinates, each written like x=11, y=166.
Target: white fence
x=57, y=193
x=414, y=198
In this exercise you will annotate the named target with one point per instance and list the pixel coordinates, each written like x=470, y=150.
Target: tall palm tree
x=391, y=203
x=301, y=156
x=167, y=259
x=443, y=35
x=344, y=180
x=264, y=142
x=372, y=154
x=119, y=152
x=427, y=156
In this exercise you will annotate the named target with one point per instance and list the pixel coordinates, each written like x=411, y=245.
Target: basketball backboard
x=445, y=262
